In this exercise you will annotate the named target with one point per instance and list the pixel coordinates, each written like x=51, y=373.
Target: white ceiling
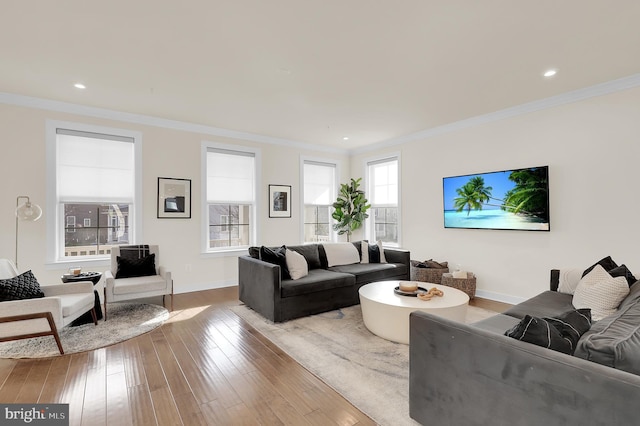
x=314, y=71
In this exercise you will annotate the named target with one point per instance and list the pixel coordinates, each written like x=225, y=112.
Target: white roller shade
x=384, y=182
x=230, y=177
x=94, y=168
x=319, y=183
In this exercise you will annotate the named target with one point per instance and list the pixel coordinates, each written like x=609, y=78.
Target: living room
x=585, y=132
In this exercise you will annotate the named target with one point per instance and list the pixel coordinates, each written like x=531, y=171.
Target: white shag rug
x=371, y=372
x=126, y=320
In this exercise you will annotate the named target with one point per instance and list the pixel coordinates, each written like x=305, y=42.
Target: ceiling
x=314, y=71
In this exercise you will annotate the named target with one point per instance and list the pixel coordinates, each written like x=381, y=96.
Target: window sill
x=82, y=263
x=235, y=252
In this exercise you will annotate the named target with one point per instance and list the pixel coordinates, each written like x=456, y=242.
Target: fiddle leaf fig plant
x=350, y=209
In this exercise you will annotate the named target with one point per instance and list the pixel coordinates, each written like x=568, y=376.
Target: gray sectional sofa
x=472, y=374
x=262, y=288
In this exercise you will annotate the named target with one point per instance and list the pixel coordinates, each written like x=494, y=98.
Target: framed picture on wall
x=174, y=198
x=279, y=200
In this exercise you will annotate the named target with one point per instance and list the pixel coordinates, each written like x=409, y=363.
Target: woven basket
x=468, y=285
x=427, y=275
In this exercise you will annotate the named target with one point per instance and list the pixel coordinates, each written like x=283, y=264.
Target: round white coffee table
x=386, y=314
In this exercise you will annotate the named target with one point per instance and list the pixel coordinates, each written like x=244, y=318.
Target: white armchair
x=63, y=303
x=137, y=287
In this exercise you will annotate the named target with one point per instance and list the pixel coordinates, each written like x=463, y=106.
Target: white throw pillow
x=364, y=247
x=568, y=280
x=382, y=258
x=297, y=264
x=341, y=254
x=600, y=292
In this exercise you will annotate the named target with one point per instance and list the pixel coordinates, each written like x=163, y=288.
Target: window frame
x=254, y=224
x=333, y=235
x=370, y=224
x=55, y=228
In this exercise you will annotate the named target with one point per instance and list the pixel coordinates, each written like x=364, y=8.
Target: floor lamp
x=28, y=212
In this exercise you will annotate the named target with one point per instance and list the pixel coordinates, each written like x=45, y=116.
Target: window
x=230, y=197
x=383, y=194
x=94, y=181
x=319, y=186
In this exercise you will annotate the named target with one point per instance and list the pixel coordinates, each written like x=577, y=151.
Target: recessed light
x=550, y=73
x=345, y=138
x=79, y=86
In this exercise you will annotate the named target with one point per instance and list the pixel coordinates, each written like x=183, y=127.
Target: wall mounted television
x=515, y=199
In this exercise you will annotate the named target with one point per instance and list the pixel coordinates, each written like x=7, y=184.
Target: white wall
x=591, y=147
x=592, y=150
x=166, y=153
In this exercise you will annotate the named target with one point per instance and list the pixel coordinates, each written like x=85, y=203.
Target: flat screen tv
x=515, y=199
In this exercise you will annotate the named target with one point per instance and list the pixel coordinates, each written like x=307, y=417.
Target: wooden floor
x=205, y=366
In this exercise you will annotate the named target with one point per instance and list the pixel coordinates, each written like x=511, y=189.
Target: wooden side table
x=468, y=285
x=94, y=277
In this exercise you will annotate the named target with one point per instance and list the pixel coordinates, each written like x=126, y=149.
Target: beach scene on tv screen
x=511, y=199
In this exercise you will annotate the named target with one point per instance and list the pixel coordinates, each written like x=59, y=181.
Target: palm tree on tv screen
x=530, y=194
x=472, y=195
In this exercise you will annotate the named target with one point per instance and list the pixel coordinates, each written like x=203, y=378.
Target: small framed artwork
x=279, y=200
x=174, y=198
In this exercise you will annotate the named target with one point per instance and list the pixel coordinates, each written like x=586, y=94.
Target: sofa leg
x=94, y=316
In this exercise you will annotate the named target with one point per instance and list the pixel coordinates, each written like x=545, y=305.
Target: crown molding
x=553, y=101
x=147, y=120
x=562, y=99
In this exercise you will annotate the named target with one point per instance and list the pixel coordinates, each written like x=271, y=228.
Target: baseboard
x=499, y=297
x=203, y=286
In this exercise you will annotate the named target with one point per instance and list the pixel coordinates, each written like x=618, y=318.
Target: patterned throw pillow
x=24, y=286
x=607, y=263
x=129, y=268
x=600, y=292
x=559, y=334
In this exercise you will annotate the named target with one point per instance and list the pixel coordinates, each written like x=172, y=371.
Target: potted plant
x=350, y=209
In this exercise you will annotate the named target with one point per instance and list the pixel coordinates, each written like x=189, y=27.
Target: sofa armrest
x=43, y=304
x=259, y=286
x=166, y=274
x=460, y=374
x=394, y=255
x=554, y=280
x=67, y=288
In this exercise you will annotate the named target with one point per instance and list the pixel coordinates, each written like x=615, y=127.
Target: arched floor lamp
x=27, y=211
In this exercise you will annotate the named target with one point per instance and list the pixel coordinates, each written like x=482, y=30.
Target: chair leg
x=164, y=303
x=54, y=331
x=105, y=304
x=94, y=316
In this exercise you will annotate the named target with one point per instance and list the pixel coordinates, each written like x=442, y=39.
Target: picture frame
x=279, y=200
x=174, y=198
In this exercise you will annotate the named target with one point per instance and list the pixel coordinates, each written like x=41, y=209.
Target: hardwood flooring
x=204, y=366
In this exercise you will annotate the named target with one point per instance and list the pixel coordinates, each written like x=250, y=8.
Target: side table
x=94, y=277
x=468, y=285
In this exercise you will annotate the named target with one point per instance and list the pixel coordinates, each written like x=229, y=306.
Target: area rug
x=371, y=372
x=126, y=320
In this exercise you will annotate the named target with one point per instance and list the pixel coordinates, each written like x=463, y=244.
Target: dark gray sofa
x=463, y=374
x=324, y=289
